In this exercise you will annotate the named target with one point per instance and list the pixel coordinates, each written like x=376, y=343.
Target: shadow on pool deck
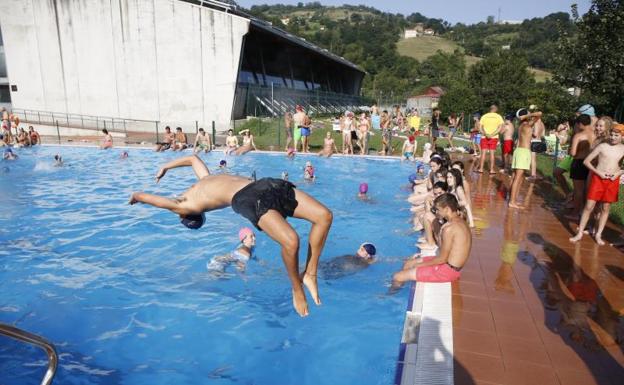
x=531, y=307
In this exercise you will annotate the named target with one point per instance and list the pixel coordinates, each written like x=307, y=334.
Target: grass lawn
x=420, y=48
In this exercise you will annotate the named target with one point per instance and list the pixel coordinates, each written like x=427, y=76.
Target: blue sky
x=454, y=11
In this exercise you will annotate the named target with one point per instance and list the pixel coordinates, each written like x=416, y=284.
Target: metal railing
x=84, y=121
x=24, y=336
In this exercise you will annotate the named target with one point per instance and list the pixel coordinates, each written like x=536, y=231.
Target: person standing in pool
x=455, y=245
x=266, y=203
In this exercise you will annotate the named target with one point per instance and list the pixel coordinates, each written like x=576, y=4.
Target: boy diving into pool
x=266, y=203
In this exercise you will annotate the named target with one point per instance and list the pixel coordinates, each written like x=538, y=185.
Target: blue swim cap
x=193, y=221
x=587, y=109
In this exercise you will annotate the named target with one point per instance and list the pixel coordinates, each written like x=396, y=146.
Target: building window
x=5, y=94
x=3, y=69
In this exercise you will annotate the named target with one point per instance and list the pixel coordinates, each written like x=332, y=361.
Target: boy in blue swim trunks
x=266, y=203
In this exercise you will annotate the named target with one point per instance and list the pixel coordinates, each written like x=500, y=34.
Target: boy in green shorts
x=521, y=161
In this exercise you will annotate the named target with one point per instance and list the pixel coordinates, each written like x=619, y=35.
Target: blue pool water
x=124, y=294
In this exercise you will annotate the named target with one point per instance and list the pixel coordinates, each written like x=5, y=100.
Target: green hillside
x=420, y=48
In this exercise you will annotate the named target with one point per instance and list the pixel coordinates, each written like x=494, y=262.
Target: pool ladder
x=24, y=336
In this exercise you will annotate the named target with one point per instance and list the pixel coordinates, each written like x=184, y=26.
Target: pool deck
x=531, y=307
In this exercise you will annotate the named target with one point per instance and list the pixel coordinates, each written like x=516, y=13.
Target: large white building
x=172, y=61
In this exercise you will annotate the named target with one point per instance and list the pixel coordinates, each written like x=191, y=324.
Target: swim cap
x=587, y=109
x=244, y=232
x=370, y=248
x=222, y=163
x=308, y=164
x=193, y=221
x=8, y=151
x=363, y=188
x=411, y=139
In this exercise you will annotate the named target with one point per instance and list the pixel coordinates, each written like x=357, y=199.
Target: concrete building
x=410, y=33
x=172, y=61
x=5, y=93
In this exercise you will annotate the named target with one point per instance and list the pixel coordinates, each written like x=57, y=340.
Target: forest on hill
x=559, y=43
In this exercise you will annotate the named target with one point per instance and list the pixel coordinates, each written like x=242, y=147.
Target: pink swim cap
x=244, y=232
x=363, y=188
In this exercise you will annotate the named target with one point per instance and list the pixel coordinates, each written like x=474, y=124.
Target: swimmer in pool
x=362, y=193
x=266, y=203
x=9, y=155
x=58, y=161
x=350, y=264
x=239, y=257
x=123, y=155
x=308, y=171
x=290, y=153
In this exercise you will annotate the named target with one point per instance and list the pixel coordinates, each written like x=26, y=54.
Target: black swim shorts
x=578, y=171
x=255, y=199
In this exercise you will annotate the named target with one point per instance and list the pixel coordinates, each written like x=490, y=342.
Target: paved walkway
x=531, y=307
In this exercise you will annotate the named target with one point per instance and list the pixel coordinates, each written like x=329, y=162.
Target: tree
x=459, y=97
x=554, y=101
x=502, y=79
x=592, y=59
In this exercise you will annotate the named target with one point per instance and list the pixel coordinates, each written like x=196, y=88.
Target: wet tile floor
x=531, y=307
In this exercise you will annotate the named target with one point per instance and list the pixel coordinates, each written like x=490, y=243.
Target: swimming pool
x=124, y=294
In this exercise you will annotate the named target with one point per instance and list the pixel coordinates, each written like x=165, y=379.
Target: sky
x=455, y=11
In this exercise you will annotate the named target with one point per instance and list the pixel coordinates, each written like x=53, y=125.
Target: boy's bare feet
x=309, y=280
x=515, y=206
x=299, y=302
x=577, y=237
x=599, y=240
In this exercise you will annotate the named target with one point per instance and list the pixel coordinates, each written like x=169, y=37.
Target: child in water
x=239, y=257
x=308, y=171
x=58, y=160
x=362, y=193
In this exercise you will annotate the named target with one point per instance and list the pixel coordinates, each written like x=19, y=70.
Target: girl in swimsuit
x=108, y=140
x=231, y=143
x=328, y=146
x=364, y=134
x=347, y=146
x=248, y=143
x=239, y=257
x=455, y=183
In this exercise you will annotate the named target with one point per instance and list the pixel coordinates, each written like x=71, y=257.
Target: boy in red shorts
x=508, y=133
x=455, y=244
x=605, y=181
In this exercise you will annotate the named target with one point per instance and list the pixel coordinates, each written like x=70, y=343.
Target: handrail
x=92, y=117
x=24, y=336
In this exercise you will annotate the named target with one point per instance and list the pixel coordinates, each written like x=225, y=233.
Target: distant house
x=506, y=47
x=410, y=33
x=429, y=32
x=420, y=28
x=426, y=101
x=510, y=22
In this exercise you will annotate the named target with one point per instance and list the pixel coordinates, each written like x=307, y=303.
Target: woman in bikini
x=363, y=134
x=347, y=146
x=248, y=143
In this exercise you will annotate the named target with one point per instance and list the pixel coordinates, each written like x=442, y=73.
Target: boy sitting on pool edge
x=455, y=244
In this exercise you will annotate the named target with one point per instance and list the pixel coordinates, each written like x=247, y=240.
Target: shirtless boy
x=168, y=139
x=521, y=162
x=181, y=141
x=508, y=133
x=605, y=181
x=580, y=148
x=202, y=142
x=455, y=245
x=265, y=203
x=329, y=146
x=409, y=148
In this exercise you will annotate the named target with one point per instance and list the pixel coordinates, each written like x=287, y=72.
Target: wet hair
x=458, y=163
x=201, y=129
x=178, y=128
x=459, y=180
x=441, y=185
x=584, y=120
x=447, y=200
x=104, y=130
x=168, y=128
